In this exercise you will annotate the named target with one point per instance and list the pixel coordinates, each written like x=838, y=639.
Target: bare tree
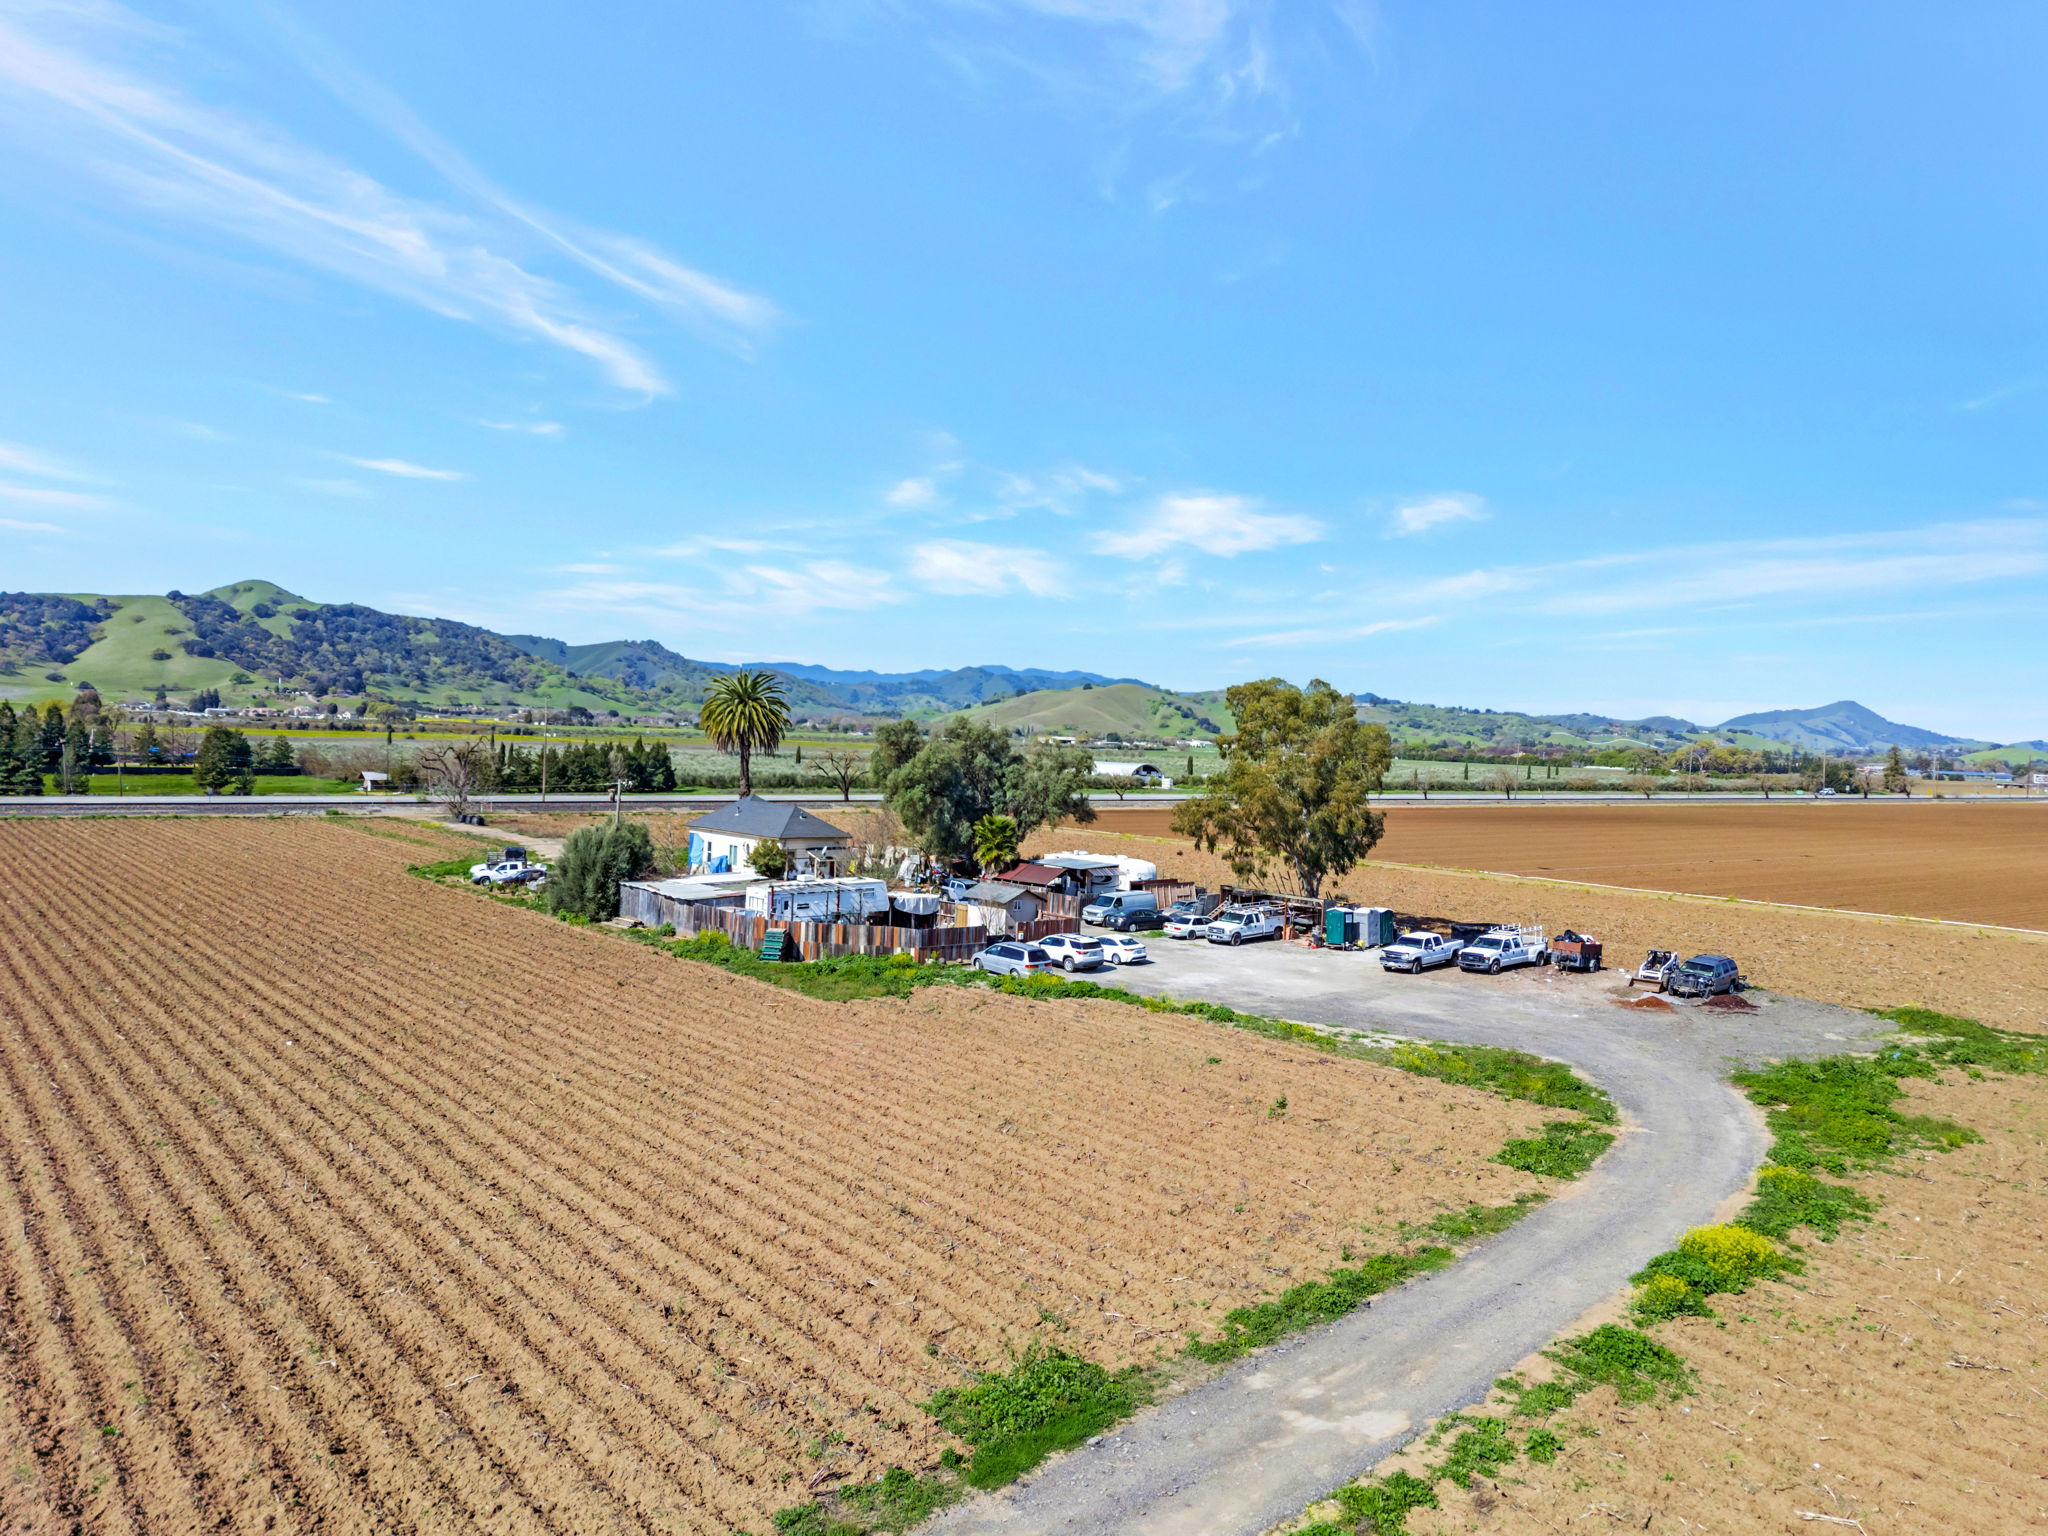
x=455, y=772
x=1507, y=781
x=841, y=768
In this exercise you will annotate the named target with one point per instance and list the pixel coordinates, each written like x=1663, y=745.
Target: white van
x=1117, y=904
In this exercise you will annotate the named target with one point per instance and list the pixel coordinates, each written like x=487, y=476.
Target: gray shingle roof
x=755, y=817
x=994, y=891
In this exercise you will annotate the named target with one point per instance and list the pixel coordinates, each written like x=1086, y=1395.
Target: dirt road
x=1291, y=1423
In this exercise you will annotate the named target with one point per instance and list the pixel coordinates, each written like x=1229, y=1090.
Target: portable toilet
x=1375, y=926
x=1340, y=926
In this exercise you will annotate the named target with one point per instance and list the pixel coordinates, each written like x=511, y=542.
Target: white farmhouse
x=724, y=841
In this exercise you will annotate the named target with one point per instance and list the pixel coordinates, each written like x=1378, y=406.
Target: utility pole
x=618, y=800
x=543, y=767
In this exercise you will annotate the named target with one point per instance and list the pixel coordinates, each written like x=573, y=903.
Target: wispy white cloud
x=1293, y=637
x=738, y=598
x=171, y=156
x=406, y=470
x=42, y=496
x=1061, y=490
x=913, y=492
x=28, y=461
x=1998, y=396
x=698, y=547
x=1696, y=578
x=1214, y=523
x=1917, y=559
x=960, y=565
x=1436, y=511
x=532, y=428
x=592, y=568
x=293, y=394
x=721, y=311
x=15, y=525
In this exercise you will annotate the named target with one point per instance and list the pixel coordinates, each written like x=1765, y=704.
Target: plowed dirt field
x=1971, y=862
x=338, y=1201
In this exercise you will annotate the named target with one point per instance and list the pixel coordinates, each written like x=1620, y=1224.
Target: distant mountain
x=1843, y=726
x=1454, y=726
x=651, y=669
x=934, y=690
x=252, y=640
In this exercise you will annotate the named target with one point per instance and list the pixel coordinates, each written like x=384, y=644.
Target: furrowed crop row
x=322, y=1307
x=410, y=1238
x=202, y=1296
x=492, y=1342
x=402, y=1088
x=1014, y=1236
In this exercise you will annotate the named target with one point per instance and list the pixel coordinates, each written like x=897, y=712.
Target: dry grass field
x=1970, y=862
x=338, y=1201
x=1899, y=1388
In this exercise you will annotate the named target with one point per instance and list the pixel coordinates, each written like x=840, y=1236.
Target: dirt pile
x=340, y=1201
x=1899, y=1387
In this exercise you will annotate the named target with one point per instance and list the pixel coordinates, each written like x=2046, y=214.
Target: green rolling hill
x=1134, y=711
x=254, y=641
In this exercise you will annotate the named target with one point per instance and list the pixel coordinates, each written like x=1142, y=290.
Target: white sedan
x=1187, y=925
x=1118, y=949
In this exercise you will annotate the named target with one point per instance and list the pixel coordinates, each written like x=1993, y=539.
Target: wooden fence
x=817, y=941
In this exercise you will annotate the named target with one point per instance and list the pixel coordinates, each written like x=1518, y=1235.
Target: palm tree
x=995, y=842
x=745, y=712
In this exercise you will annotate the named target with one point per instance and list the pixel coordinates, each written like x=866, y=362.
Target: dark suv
x=1703, y=976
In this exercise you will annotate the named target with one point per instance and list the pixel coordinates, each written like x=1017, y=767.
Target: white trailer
x=819, y=901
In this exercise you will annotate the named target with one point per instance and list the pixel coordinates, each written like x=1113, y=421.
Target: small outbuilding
x=1002, y=907
x=724, y=841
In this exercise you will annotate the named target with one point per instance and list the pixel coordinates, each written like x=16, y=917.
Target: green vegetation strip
x=1051, y=1400
x=1831, y=1116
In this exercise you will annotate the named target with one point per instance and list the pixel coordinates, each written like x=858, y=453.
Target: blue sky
x=1589, y=355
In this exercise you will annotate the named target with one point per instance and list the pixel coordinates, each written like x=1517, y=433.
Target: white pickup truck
x=1233, y=925
x=1499, y=948
x=507, y=872
x=1415, y=952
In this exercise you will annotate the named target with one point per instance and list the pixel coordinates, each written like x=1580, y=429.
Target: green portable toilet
x=1339, y=926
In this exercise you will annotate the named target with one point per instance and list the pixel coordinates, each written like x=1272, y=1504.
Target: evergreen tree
x=102, y=755
x=21, y=751
x=147, y=748
x=584, y=881
x=74, y=762
x=224, y=762
x=52, y=736
x=276, y=756
x=1894, y=772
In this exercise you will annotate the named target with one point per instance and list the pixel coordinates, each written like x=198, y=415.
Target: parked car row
x=1059, y=951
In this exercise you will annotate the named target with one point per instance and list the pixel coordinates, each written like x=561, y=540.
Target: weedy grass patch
x=1564, y=1149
